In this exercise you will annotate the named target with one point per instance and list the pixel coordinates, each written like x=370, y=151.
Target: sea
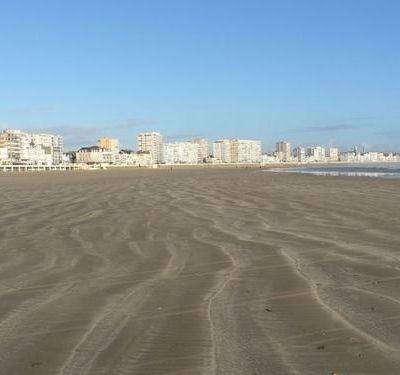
x=377, y=170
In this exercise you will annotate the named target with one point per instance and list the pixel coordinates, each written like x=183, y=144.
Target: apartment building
x=31, y=148
x=284, y=151
x=332, y=153
x=94, y=155
x=151, y=142
x=316, y=154
x=249, y=151
x=137, y=159
x=203, y=149
x=3, y=154
x=237, y=151
x=222, y=151
x=300, y=154
x=181, y=153
x=110, y=144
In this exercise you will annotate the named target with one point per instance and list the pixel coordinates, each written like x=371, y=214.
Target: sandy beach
x=203, y=271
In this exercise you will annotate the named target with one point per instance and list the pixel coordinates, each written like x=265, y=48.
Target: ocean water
x=383, y=170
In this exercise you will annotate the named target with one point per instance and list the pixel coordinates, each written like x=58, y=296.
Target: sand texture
x=208, y=271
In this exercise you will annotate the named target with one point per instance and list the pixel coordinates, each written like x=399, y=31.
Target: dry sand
x=230, y=272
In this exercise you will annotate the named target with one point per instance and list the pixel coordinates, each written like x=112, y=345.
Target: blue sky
x=309, y=71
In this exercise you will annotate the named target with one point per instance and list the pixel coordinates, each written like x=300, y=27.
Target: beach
x=198, y=271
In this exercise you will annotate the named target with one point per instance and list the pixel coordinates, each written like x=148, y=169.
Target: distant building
x=225, y=151
x=332, y=154
x=12, y=140
x=268, y=159
x=283, y=151
x=110, y=144
x=203, y=149
x=31, y=148
x=3, y=154
x=316, y=154
x=181, y=153
x=94, y=155
x=237, y=151
x=142, y=159
x=300, y=154
x=136, y=159
x=219, y=150
x=249, y=151
x=52, y=146
x=151, y=142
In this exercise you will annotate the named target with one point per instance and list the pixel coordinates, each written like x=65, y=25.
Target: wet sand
x=234, y=271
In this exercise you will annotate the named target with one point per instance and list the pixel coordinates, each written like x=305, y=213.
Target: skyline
x=319, y=74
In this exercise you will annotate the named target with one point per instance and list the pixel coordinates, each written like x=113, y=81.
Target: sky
x=307, y=71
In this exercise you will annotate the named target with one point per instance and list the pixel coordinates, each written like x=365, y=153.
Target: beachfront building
x=332, y=154
x=141, y=159
x=135, y=159
x=237, y=151
x=3, y=155
x=283, y=151
x=268, y=159
x=225, y=151
x=218, y=150
x=151, y=142
x=31, y=148
x=94, y=155
x=316, y=154
x=248, y=151
x=12, y=140
x=300, y=154
x=203, y=149
x=181, y=153
x=51, y=144
x=109, y=144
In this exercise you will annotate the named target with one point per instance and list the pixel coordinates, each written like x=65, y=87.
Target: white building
x=316, y=154
x=141, y=159
x=95, y=155
x=283, y=151
x=12, y=140
x=181, y=153
x=31, y=148
x=300, y=154
x=135, y=159
x=218, y=150
x=3, y=154
x=249, y=151
x=203, y=152
x=268, y=159
x=237, y=151
x=151, y=142
x=332, y=154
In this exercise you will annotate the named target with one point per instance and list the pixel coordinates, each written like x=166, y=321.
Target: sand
x=235, y=271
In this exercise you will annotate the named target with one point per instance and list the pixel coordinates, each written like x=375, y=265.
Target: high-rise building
x=222, y=151
x=12, y=139
x=283, y=151
x=181, y=153
x=3, y=154
x=30, y=148
x=151, y=142
x=109, y=144
x=332, y=153
x=203, y=152
x=249, y=151
x=237, y=151
x=316, y=153
x=300, y=154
